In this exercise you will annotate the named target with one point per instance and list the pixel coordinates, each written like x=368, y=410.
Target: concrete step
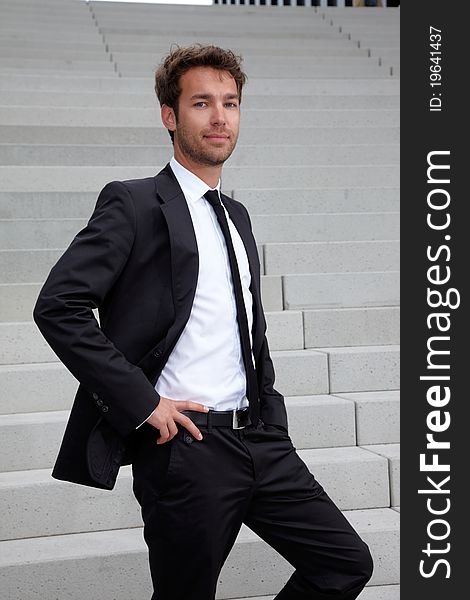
x=54, y=72
x=132, y=27
x=331, y=257
x=61, y=33
x=244, y=155
x=153, y=52
x=115, y=136
x=392, y=453
x=334, y=417
x=79, y=560
x=47, y=7
x=22, y=342
x=298, y=372
x=377, y=416
x=27, y=22
x=73, y=19
x=341, y=290
x=17, y=300
x=271, y=293
x=55, y=46
x=88, y=179
x=29, y=273
x=380, y=592
x=260, y=85
x=322, y=421
x=350, y=369
x=364, y=31
x=386, y=52
x=371, y=592
x=321, y=327
x=369, y=41
x=121, y=13
x=311, y=200
x=354, y=58
x=354, y=478
x=373, y=417
x=32, y=439
x=96, y=52
x=144, y=21
x=268, y=229
x=36, y=387
x=57, y=205
x=17, y=266
x=33, y=265
x=351, y=326
x=337, y=46
x=138, y=64
x=59, y=64
x=23, y=268
x=325, y=227
x=205, y=34
x=309, y=69
x=150, y=117
x=363, y=368
x=148, y=100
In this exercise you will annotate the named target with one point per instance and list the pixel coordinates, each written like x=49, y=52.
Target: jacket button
x=105, y=408
x=99, y=402
x=95, y=396
x=157, y=353
x=188, y=438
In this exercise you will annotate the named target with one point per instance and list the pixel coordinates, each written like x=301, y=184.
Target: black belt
x=236, y=418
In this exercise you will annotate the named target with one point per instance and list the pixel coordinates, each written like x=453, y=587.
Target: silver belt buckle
x=235, y=420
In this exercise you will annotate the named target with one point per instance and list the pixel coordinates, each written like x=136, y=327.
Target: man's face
x=208, y=116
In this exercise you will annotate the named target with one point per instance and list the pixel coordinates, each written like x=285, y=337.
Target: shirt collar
x=193, y=187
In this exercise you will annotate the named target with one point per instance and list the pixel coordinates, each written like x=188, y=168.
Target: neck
x=208, y=174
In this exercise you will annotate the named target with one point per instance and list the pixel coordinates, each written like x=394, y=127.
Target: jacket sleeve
x=272, y=404
x=78, y=283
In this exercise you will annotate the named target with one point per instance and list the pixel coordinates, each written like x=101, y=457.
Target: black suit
x=137, y=261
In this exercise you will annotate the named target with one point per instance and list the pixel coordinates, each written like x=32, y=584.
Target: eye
x=201, y=102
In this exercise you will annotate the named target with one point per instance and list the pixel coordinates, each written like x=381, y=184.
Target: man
x=177, y=379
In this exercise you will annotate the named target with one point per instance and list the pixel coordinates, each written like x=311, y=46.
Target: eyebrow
x=207, y=96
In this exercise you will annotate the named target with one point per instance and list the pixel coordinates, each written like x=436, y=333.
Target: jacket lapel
x=183, y=248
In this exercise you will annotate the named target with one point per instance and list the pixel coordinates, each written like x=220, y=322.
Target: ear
x=168, y=117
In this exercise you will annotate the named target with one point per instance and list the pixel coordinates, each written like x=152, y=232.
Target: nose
x=218, y=114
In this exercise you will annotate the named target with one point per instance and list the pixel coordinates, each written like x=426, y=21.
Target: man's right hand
x=167, y=414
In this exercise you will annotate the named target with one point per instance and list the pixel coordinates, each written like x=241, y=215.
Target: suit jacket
x=136, y=260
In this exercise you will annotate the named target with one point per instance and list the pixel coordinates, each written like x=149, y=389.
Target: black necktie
x=251, y=381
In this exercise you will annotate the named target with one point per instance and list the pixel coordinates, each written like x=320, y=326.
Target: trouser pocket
x=154, y=463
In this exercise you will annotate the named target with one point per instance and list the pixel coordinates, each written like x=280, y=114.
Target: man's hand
x=167, y=414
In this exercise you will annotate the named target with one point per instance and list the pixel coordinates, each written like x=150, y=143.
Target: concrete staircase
x=317, y=167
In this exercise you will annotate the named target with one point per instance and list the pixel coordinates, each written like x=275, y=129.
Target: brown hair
x=173, y=66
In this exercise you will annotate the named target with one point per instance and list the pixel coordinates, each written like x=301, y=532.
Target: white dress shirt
x=206, y=364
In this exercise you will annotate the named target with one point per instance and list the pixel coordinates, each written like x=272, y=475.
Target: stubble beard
x=198, y=151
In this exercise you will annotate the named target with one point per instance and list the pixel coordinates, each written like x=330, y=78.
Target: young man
x=178, y=379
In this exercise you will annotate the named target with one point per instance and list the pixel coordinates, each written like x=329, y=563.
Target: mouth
x=217, y=137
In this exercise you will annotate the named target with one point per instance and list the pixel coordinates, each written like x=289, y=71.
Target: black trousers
x=195, y=495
